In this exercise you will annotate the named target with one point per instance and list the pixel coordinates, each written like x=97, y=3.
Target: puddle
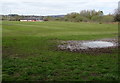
x=98, y=44
x=90, y=46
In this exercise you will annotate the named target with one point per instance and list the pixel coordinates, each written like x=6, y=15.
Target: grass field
x=29, y=52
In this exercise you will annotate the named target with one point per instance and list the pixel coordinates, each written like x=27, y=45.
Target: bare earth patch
x=89, y=46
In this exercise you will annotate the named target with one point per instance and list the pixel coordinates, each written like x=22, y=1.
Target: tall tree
x=117, y=15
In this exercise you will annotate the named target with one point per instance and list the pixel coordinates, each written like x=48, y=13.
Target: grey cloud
x=57, y=7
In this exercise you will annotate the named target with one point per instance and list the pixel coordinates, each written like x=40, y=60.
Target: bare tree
x=117, y=15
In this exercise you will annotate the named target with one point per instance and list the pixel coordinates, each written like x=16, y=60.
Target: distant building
x=33, y=20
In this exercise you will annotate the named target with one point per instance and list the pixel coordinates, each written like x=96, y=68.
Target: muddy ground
x=75, y=46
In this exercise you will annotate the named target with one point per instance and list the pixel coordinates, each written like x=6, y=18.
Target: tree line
x=82, y=16
x=87, y=16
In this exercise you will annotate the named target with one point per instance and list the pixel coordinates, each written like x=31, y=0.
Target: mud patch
x=91, y=46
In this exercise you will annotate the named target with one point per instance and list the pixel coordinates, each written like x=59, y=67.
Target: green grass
x=29, y=52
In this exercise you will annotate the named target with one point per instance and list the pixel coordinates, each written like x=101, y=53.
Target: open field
x=29, y=52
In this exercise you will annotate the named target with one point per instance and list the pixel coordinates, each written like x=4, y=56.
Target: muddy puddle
x=91, y=45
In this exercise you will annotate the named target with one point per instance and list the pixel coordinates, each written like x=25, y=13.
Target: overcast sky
x=55, y=7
